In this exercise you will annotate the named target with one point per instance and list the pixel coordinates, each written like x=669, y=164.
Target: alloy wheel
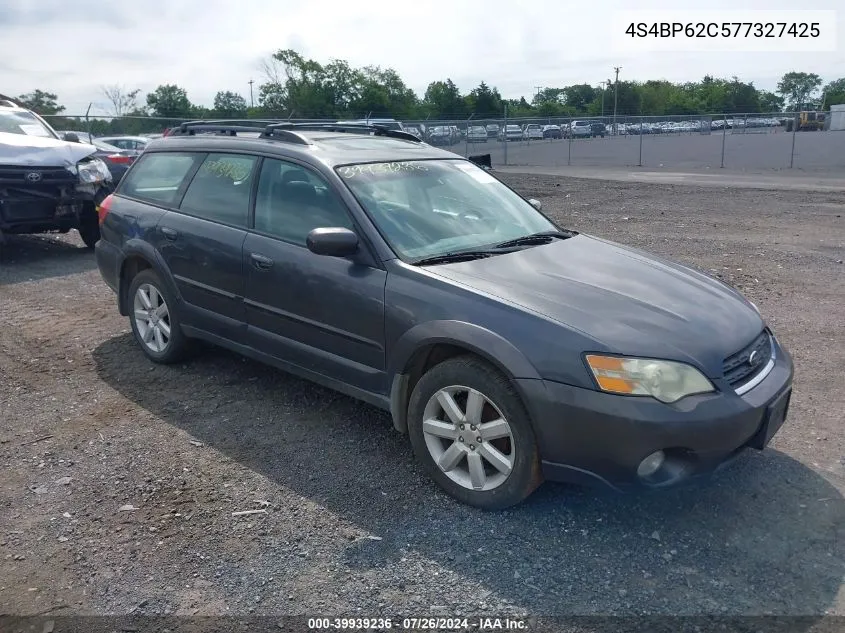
x=152, y=318
x=468, y=438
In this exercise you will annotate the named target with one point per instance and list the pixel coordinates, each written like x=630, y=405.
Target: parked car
x=510, y=133
x=492, y=130
x=552, y=131
x=127, y=143
x=597, y=128
x=47, y=183
x=507, y=347
x=440, y=135
x=532, y=131
x=581, y=129
x=477, y=134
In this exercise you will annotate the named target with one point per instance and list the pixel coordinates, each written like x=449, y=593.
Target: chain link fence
x=688, y=142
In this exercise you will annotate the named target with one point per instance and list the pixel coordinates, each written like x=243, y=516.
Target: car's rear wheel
x=472, y=434
x=155, y=323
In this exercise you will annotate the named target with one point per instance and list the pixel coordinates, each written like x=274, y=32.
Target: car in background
x=440, y=135
x=492, y=130
x=597, y=128
x=127, y=143
x=552, y=131
x=47, y=183
x=413, y=129
x=477, y=134
x=510, y=133
x=532, y=131
x=581, y=129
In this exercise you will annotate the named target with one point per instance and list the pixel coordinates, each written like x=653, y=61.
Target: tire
x=492, y=488
x=89, y=228
x=176, y=344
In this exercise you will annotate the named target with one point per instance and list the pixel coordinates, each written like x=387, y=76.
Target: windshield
x=432, y=207
x=22, y=122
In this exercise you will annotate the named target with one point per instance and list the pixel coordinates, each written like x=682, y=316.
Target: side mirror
x=536, y=204
x=333, y=241
x=70, y=137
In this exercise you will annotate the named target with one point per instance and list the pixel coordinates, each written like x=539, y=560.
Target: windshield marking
x=351, y=171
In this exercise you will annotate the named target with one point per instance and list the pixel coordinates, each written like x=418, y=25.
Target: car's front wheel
x=472, y=434
x=154, y=322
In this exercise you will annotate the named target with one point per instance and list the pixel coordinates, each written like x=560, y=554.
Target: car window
x=157, y=177
x=21, y=122
x=220, y=190
x=292, y=201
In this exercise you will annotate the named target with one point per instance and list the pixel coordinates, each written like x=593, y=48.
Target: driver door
x=324, y=314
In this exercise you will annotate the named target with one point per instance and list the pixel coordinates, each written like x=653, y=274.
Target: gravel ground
x=119, y=477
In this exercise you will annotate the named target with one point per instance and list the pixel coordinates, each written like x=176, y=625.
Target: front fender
x=483, y=342
x=135, y=247
x=477, y=339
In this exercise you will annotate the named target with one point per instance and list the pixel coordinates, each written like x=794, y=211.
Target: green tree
x=229, y=105
x=834, y=93
x=381, y=92
x=579, y=96
x=169, y=101
x=484, y=101
x=443, y=99
x=798, y=88
x=41, y=102
x=769, y=101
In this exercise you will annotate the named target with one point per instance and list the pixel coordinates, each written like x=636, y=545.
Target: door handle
x=260, y=261
x=169, y=233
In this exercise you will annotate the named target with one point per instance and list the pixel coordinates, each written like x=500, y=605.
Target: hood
x=40, y=151
x=635, y=304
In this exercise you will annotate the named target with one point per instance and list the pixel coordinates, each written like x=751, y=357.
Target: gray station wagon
x=509, y=349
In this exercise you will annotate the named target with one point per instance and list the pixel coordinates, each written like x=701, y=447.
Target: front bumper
x=592, y=437
x=46, y=208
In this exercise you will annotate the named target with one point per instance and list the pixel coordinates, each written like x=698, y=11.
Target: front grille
x=16, y=175
x=737, y=369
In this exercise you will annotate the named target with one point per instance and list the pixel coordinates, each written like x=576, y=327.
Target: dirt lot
x=89, y=430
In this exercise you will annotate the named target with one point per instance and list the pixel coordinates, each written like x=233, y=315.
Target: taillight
x=103, y=208
x=119, y=158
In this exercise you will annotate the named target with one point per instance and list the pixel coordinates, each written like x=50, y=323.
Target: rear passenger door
x=324, y=314
x=202, y=243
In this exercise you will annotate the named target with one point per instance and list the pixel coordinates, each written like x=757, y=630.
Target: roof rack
x=359, y=128
x=287, y=131
x=190, y=128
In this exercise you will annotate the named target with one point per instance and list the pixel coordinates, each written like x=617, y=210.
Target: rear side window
x=220, y=190
x=157, y=177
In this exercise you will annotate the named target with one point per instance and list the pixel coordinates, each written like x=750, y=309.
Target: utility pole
x=615, y=97
x=539, y=89
x=251, y=99
x=604, y=85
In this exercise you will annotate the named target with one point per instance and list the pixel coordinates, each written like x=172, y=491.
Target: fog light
x=651, y=464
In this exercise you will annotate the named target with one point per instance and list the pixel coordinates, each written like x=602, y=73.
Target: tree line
x=297, y=87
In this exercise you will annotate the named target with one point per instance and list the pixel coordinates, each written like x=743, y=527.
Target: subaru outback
x=509, y=349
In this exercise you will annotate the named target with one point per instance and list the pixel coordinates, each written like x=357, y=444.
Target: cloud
x=73, y=48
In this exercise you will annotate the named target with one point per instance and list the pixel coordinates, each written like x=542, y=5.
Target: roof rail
x=190, y=128
x=374, y=129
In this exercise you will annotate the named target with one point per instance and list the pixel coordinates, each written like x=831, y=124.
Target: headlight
x=665, y=380
x=93, y=171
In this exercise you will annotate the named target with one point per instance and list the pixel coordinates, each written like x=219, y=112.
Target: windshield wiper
x=535, y=239
x=458, y=256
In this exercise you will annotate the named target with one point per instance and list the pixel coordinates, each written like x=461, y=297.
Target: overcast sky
x=73, y=48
